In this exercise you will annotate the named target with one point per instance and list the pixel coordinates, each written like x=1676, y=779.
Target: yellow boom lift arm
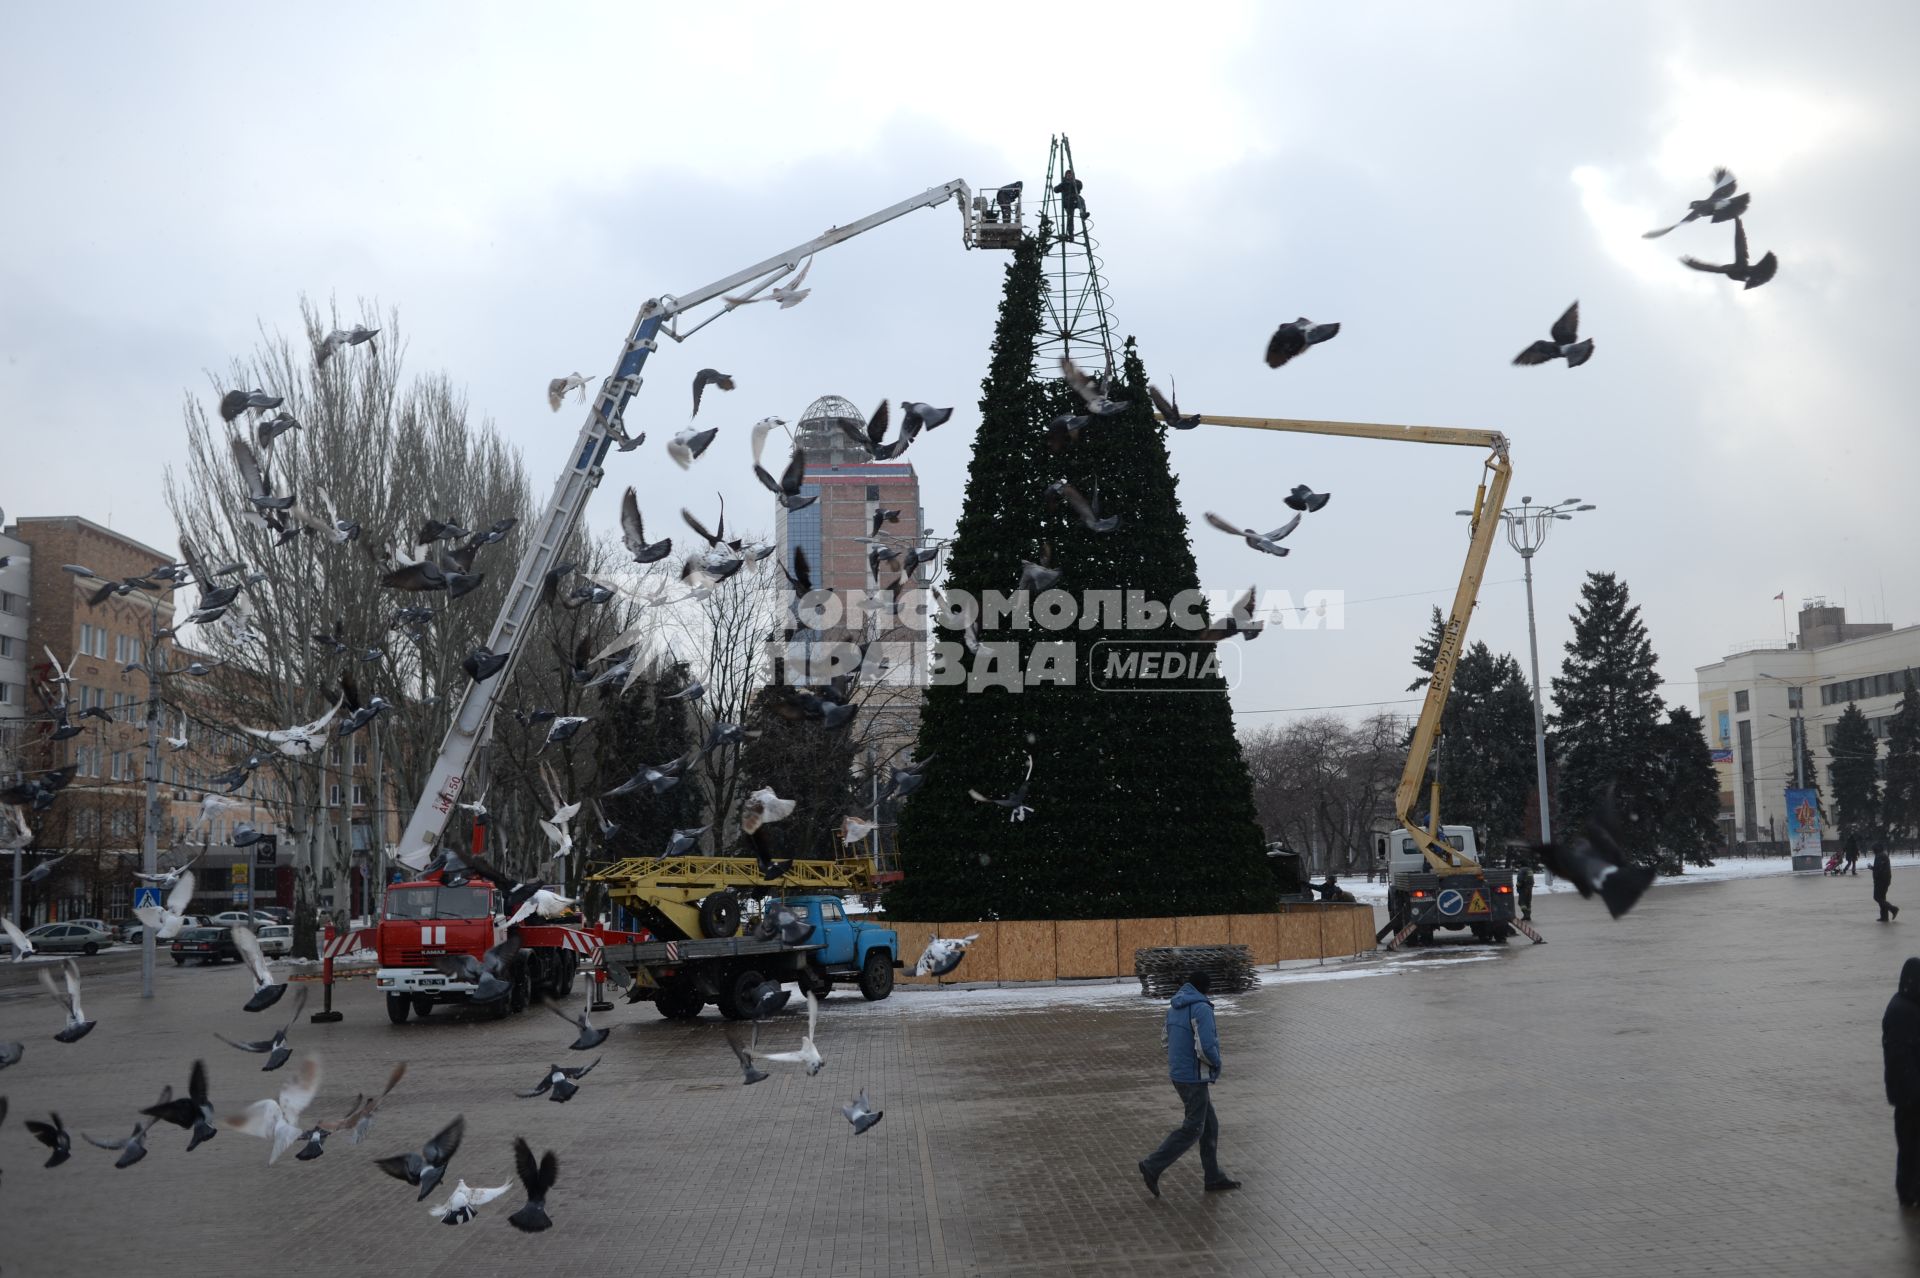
x=1488, y=499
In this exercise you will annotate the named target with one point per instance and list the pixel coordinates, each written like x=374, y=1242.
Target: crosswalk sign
x=146, y=898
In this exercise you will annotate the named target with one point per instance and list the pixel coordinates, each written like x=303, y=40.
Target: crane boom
x=576, y=484
x=1489, y=498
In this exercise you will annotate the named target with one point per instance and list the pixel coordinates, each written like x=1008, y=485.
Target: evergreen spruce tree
x=804, y=761
x=1687, y=794
x=636, y=729
x=1901, y=799
x=1856, y=787
x=1485, y=747
x=1607, y=712
x=1142, y=803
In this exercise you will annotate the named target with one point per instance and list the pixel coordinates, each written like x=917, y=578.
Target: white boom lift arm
x=582, y=476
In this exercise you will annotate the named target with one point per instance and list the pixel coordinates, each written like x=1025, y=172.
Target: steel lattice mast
x=1079, y=320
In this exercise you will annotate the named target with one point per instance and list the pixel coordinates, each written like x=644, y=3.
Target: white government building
x=1749, y=700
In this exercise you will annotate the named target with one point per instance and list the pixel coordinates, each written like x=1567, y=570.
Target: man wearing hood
x=1900, y=1044
x=1882, y=880
x=1192, y=1044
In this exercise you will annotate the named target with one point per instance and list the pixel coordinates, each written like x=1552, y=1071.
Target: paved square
x=1694, y=1090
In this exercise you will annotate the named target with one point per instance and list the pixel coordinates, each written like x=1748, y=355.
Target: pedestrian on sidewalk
x=1852, y=848
x=1882, y=879
x=1900, y=1044
x=1193, y=1046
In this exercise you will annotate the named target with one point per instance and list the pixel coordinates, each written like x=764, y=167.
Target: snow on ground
x=1731, y=867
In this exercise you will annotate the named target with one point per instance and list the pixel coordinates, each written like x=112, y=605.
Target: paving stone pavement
x=1694, y=1090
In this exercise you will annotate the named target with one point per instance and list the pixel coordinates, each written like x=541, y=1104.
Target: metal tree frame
x=1079, y=322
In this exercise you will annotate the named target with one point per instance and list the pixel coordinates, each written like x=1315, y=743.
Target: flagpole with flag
x=1785, y=638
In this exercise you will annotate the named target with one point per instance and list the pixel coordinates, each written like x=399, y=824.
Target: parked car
x=276, y=939
x=278, y=913
x=208, y=944
x=242, y=918
x=70, y=937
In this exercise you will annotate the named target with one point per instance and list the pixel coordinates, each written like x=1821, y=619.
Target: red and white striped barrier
x=341, y=946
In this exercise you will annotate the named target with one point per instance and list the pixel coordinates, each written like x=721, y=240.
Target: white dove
x=943, y=954
x=548, y=905
x=303, y=738
x=788, y=295
x=808, y=1054
x=279, y=1120
x=167, y=920
x=557, y=389
x=459, y=1207
x=764, y=807
x=21, y=945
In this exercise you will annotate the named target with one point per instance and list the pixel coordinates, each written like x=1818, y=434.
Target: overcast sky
x=1441, y=179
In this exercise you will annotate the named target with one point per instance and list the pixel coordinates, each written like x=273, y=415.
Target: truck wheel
x=720, y=915
x=517, y=997
x=560, y=984
x=423, y=1005
x=876, y=976
x=398, y=1005
x=736, y=998
x=815, y=981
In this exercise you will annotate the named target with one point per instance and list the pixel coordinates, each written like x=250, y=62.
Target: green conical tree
x=1141, y=801
x=1485, y=748
x=1856, y=787
x=636, y=730
x=1686, y=798
x=1901, y=799
x=1608, y=715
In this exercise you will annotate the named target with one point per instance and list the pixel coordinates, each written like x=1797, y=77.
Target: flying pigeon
x=1040, y=576
x=743, y=1052
x=589, y=1037
x=788, y=295
x=861, y=1113
x=461, y=1206
x=1720, y=205
x=548, y=905
x=1291, y=339
x=557, y=389
x=634, y=533
x=276, y=1050
x=1015, y=803
x=853, y=829
x=786, y=489
x=20, y=946
x=1564, y=333
x=1238, y=621
x=357, y=1121
x=904, y=780
x=259, y=492
x=687, y=445
x=39, y=792
x=764, y=807
x=268, y=429
x=1267, y=542
x=427, y=575
x=684, y=841
x=1091, y=393
x=278, y=1120
x=563, y=728
x=701, y=380
x=1595, y=862
x=323, y=349
x=807, y=1054
x=1305, y=499
x=484, y=973
x=193, y=1112
x=54, y=1136
x=870, y=436
x=133, y=1147
x=10, y=1053
x=916, y=416
x=78, y=1026
x=943, y=954
x=266, y=991
x=559, y=1083
x=1753, y=274
x=1169, y=410
x=539, y=1180
x=1088, y=513
x=303, y=738
x=426, y=1167
x=483, y=663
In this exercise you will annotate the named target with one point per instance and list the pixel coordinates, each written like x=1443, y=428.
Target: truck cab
x=1467, y=897
x=427, y=920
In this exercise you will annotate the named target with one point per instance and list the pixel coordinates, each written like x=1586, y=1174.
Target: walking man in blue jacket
x=1192, y=1045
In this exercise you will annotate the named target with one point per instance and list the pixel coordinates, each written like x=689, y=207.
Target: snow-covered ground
x=1375, y=893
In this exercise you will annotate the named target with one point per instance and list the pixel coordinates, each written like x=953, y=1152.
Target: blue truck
x=682, y=977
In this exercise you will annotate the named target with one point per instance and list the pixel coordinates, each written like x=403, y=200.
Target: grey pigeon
x=1303, y=498
x=1750, y=274
x=862, y=1114
x=786, y=489
x=560, y=1083
x=709, y=377
x=1015, y=803
x=485, y=973
x=744, y=1054
x=194, y=1111
x=1169, y=410
x=1093, y=394
x=916, y=416
x=1595, y=862
x=1720, y=205
x=590, y=1037
x=54, y=1136
x=634, y=533
x=1265, y=542
x=539, y=1180
x=275, y=1048
x=1563, y=343
x=1087, y=512
x=78, y=1026
x=132, y=1147
x=1295, y=336
x=426, y=1167
x=483, y=663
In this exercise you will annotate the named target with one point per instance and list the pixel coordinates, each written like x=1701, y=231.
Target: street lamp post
x=1527, y=528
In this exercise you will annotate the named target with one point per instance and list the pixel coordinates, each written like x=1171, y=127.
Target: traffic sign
x=146, y=898
x=1450, y=902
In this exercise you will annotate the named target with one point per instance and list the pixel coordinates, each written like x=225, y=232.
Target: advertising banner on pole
x=1803, y=830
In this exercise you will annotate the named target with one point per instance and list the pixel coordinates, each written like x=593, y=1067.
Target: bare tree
x=1321, y=784
x=386, y=455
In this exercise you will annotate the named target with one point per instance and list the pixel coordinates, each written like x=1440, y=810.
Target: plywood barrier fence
x=1068, y=949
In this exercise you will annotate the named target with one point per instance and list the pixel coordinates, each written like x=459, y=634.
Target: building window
x=10, y=602
x=6, y=694
x=873, y=492
x=1740, y=700
x=359, y=754
x=7, y=645
x=333, y=796
x=1795, y=697
x=359, y=795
